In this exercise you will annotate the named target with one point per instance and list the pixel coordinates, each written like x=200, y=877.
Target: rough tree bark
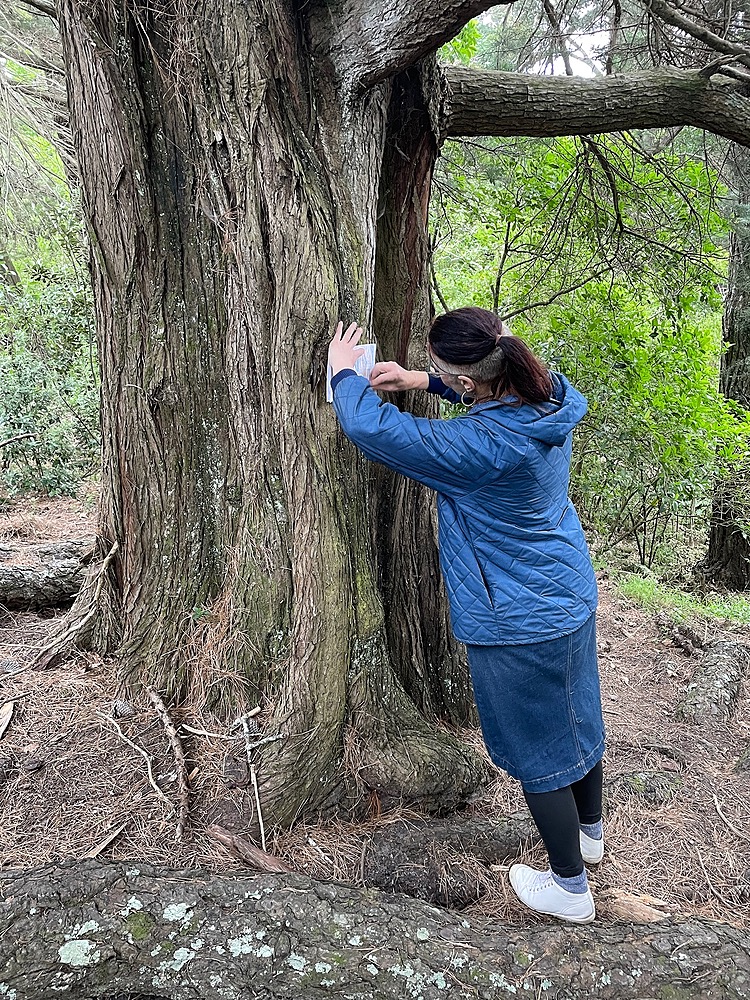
x=45, y=575
x=128, y=934
x=252, y=172
x=728, y=558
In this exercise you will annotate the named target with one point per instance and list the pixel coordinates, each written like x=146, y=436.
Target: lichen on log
x=89, y=930
x=716, y=683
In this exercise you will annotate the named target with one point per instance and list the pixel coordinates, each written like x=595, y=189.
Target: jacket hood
x=550, y=422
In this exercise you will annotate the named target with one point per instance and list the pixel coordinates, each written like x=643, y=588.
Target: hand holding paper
x=343, y=352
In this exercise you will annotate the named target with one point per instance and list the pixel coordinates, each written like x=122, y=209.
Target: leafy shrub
x=48, y=382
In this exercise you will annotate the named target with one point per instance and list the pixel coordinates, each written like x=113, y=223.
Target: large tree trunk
x=121, y=932
x=232, y=182
x=252, y=171
x=728, y=559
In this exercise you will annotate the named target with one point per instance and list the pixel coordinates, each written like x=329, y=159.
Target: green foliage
x=609, y=263
x=463, y=47
x=48, y=383
x=682, y=607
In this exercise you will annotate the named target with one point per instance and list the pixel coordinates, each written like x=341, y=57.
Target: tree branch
x=377, y=40
x=486, y=103
x=42, y=8
x=667, y=14
x=557, y=36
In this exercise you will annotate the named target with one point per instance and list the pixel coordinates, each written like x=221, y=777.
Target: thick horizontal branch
x=90, y=930
x=485, y=103
x=377, y=40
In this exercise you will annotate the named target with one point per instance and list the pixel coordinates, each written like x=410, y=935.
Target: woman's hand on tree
x=388, y=376
x=343, y=350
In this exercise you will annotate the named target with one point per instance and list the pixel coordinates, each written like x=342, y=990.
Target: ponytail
x=476, y=343
x=521, y=373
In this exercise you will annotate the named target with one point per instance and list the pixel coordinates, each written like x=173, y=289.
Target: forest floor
x=677, y=793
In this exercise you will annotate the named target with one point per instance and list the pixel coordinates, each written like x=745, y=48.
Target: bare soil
x=677, y=793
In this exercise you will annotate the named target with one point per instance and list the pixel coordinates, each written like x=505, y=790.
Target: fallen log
x=89, y=930
x=716, y=683
x=43, y=575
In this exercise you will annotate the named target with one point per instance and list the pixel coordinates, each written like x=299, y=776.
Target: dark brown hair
x=475, y=343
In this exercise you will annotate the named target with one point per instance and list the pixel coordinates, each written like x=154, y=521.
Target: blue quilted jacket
x=512, y=550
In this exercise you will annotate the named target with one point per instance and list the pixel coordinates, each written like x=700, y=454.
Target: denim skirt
x=540, y=707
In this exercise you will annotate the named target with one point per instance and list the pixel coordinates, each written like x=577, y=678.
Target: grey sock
x=578, y=883
x=593, y=830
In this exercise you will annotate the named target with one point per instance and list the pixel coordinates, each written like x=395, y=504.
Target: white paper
x=362, y=366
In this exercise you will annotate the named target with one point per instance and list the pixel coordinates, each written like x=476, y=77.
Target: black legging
x=559, y=814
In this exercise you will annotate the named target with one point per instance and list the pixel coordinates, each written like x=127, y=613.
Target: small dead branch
x=203, y=732
x=256, y=791
x=17, y=437
x=42, y=8
x=6, y=714
x=262, y=742
x=735, y=831
x=711, y=886
x=244, y=721
x=104, y=844
x=636, y=908
x=244, y=851
x=715, y=66
x=183, y=813
x=73, y=632
x=146, y=756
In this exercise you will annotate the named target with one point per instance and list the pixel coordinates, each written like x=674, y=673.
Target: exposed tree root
x=443, y=861
x=77, y=628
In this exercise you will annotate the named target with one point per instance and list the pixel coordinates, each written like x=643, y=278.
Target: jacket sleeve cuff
x=439, y=387
x=340, y=376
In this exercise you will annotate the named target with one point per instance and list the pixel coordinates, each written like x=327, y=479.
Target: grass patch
x=682, y=606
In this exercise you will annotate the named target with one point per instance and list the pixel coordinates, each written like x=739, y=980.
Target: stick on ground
x=183, y=812
x=146, y=756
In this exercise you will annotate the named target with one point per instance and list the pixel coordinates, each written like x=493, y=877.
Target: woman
x=519, y=578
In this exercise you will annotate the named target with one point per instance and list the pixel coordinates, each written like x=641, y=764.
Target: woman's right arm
x=388, y=376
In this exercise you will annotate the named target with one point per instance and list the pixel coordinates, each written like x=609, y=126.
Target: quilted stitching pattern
x=512, y=549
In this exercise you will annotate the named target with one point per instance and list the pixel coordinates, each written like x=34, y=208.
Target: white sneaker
x=540, y=892
x=592, y=851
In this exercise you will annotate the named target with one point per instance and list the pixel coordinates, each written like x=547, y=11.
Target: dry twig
x=146, y=756
x=254, y=781
x=183, y=813
x=96, y=851
x=735, y=831
x=711, y=886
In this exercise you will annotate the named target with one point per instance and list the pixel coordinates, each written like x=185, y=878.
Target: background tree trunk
x=128, y=933
x=231, y=185
x=728, y=558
